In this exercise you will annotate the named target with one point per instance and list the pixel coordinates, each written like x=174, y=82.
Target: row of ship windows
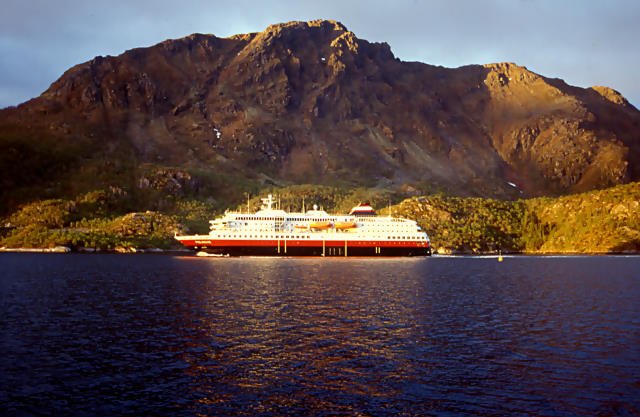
x=307, y=237
x=369, y=226
x=257, y=229
x=319, y=219
x=283, y=219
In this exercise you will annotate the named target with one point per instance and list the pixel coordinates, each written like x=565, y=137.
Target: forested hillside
x=603, y=221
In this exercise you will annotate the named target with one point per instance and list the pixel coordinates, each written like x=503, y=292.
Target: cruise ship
x=274, y=232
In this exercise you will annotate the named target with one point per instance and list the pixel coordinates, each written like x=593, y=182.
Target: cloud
x=584, y=42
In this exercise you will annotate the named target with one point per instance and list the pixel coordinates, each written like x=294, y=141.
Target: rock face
x=310, y=102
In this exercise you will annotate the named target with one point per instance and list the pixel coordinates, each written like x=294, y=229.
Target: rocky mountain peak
x=295, y=34
x=611, y=95
x=505, y=72
x=326, y=36
x=319, y=25
x=311, y=102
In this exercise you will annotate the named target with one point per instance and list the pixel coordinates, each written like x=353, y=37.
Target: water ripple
x=151, y=335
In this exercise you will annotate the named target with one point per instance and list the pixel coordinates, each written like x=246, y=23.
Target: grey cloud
x=584, y=42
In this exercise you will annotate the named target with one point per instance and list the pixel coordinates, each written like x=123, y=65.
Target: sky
x=584, y=42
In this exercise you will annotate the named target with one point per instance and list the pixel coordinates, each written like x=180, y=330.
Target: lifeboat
x=321, y=225
x=345, y=225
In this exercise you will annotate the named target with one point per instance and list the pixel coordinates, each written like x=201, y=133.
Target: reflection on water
x=87, y=335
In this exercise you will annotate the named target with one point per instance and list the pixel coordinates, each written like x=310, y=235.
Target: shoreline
x=178, y=251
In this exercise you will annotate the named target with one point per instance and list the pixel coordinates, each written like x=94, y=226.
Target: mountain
x=309, y=102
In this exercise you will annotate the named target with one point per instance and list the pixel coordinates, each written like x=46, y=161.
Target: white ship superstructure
x=276, y=232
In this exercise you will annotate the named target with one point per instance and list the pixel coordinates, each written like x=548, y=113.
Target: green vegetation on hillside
x=331, y=199
x=594, y=222
x=598, y=221
x=456, y=224
x=88, y=223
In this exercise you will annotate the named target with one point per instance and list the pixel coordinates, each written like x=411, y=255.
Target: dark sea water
x=109, y=335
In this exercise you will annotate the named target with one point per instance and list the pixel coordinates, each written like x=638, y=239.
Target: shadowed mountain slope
x=309, y=102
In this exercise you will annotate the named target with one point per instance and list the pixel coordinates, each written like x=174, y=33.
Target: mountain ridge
x=309, y=102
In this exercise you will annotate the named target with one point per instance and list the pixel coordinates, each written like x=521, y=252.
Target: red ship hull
x=306, y=247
